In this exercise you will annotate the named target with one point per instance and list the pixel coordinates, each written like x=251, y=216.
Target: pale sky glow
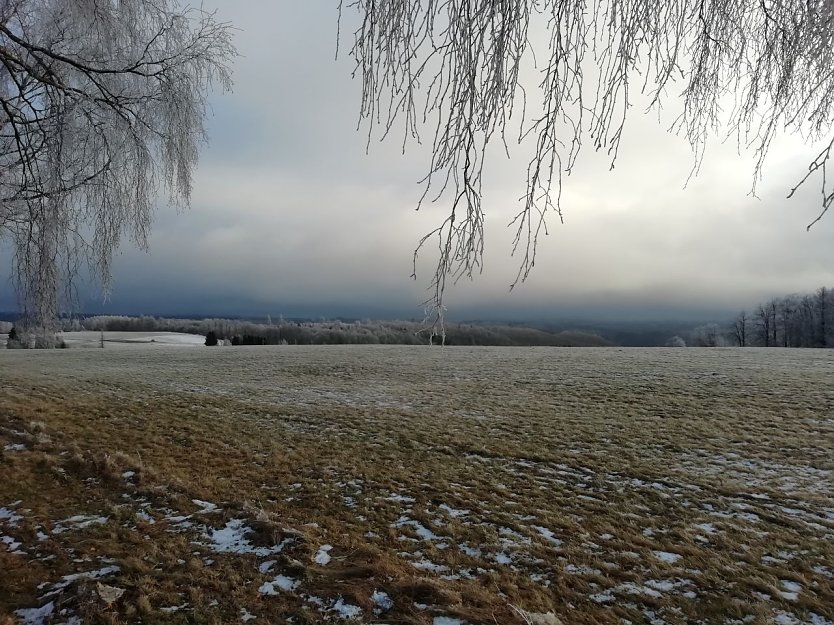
x=289, y=215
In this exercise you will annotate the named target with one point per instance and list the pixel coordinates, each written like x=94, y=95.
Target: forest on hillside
x=799, y=320
x=337, y=332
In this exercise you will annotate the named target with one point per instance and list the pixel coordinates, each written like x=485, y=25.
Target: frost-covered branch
x=455, y=66
x=101, y=108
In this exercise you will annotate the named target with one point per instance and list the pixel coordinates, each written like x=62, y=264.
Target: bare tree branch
x=454, y=65
x=101, y=108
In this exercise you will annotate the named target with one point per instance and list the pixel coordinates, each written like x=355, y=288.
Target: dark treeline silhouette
x=240, y=332
x=790, y=321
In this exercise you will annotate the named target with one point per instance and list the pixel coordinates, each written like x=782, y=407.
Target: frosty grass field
x=182, y=484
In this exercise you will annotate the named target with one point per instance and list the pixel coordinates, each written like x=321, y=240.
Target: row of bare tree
x=790, y=321
x=394, y=332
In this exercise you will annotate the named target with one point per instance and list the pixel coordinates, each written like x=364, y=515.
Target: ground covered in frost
x=417, y=485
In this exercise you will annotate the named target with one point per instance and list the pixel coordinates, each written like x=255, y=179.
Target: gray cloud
x=290, y=215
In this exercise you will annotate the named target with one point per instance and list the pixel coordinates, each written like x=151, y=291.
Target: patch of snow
x=382, y=601
x=67, y=580
x=667, y=556
x=421, y=530
x=427, y=565
x=707, y=528
x=14, y=447
x=346, y=611
x=317, y=601
x=816, y=619
x=549, y=535
x=447, y=620
x=792, y=511
x=323, y=556
x=246, y=615
x=265, y=566
x=582, y=569
x=232, y=539
x=144, y=516
x=174, y=608
x=9, y=516
x=453, y=512
x=78, y=522
x=10, y=543
x=472, y=552
x=602, y=597
x=633, y=589
x=205, y=506
x=666, y=585
x=792, y=590
x=128, y=474
x=824, y=571
x=36, y=616
x=282, y=582
x=400, y=498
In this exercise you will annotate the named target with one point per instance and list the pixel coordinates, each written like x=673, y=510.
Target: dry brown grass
x=481, y=484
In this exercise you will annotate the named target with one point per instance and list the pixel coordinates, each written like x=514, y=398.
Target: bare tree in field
x=739, y=331
x=821, y=300
x=101, y=108
x=457, y=66
x=764, y=324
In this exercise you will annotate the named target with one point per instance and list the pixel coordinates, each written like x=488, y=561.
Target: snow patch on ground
x=36, y=616
x=323, y=556
x=422, y=531
x=68, y=580
x=78, y=522
x=382, y=601
x=346, y=611
x=791, y=590
x=453, y=512
x=10, y=516
x=232, y=539
x=205, y=506
x=282, y=582
x=548, y=535
x=11, y=544
x=667, y=556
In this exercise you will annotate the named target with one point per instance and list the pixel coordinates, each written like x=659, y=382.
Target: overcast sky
x=290, y=216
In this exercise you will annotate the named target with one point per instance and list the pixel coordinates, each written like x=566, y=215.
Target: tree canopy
x=101, y=108
x=457, y=66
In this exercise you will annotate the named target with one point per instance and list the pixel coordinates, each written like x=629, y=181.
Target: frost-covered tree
x=102, y=105
x=459, y=66
x=738, y=333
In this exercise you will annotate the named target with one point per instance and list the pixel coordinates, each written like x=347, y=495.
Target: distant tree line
x=239, y=332
x=789, y=321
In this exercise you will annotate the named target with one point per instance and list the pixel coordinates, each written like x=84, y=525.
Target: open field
x=417, y=485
